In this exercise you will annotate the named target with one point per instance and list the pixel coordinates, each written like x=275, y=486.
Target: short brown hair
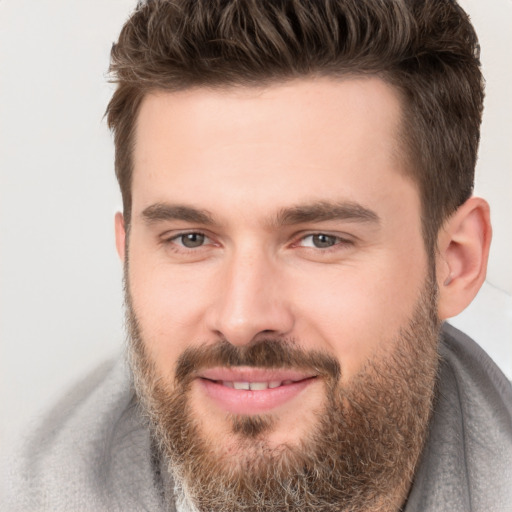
x=427, y=49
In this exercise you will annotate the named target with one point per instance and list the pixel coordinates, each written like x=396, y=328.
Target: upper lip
x=247, y=374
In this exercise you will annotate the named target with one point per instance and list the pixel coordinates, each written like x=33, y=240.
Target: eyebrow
x=162, y=212
x=320, y=211
x=324, y=211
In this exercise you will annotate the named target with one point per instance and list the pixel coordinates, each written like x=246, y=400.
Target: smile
x=252, y=391
x=255, y=386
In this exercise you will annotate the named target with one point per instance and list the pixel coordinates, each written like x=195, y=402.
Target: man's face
x=275, y=257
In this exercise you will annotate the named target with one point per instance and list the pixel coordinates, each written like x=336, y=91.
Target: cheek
x=169, y=306
x=356, y=313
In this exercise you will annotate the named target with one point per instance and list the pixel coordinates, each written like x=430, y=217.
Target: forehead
x=298, y=141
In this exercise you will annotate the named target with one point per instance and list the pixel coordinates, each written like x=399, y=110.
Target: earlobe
x=120, y=235
x=463, y=250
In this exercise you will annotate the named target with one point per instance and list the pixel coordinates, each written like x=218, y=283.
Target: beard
x=360, y=453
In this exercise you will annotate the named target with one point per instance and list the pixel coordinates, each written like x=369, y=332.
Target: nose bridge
x=251, y=299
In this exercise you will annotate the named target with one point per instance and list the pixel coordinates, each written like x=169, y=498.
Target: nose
x=251, y=300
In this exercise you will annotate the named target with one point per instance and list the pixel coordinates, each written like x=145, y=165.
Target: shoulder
x=482, y=385
x=466, y=465
x=85, y=451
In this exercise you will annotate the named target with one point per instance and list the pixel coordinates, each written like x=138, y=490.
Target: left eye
x=190, y=240
x=320, y=241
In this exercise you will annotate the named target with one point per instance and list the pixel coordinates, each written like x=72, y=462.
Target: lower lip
x=238, y=401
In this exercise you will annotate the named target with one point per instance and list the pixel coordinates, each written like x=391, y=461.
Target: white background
x=60, y=281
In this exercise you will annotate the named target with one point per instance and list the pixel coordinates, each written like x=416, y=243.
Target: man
x=297, y=225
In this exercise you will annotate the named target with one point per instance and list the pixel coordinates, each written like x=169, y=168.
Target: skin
x=246, y=155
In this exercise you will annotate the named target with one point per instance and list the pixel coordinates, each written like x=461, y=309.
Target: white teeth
x=241, y=385
x=254, y=386
x=258, y=386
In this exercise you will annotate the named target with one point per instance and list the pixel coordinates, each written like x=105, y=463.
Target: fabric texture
x=467, y=463
x=93, y=452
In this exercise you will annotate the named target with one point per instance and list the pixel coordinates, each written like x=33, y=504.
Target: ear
x=120, y=235
x=463, y=251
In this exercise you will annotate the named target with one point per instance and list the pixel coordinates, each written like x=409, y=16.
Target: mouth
x=253, y=391
x=254, y=386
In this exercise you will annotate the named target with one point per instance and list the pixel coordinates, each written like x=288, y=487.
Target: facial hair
x=360, y=455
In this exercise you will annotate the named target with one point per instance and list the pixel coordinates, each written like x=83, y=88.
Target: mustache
x=267, y=353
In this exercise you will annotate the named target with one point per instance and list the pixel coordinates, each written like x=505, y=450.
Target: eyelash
x=339, y=242
x=177, y=247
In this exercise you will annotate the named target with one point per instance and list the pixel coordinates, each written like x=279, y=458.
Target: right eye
x=190, y=240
